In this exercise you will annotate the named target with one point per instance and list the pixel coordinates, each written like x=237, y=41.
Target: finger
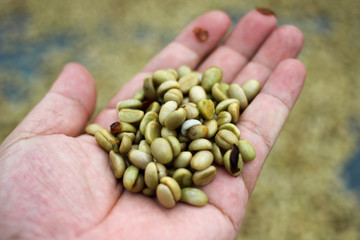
x=186, y=49
x=262, y=121
x=285, y=42
x=66, y=108
x=241, y=45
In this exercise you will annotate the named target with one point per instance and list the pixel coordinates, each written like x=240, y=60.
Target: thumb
x=65, y=109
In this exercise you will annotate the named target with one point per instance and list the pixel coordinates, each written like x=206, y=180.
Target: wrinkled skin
x=56, y=183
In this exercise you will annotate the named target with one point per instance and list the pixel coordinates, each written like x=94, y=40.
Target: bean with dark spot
x=234, y=158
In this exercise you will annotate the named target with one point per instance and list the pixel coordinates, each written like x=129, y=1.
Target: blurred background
x=309, y=187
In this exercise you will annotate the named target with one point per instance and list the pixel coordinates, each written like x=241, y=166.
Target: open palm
x=56, y=183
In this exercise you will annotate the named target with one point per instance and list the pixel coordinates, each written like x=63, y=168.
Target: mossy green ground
x=301, y=193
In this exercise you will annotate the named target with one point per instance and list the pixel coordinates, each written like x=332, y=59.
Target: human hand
x=56, y=183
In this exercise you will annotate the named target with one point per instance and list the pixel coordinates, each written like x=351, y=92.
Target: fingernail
x=265, y=11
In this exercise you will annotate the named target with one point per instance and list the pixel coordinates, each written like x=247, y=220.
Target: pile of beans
x=175, y=132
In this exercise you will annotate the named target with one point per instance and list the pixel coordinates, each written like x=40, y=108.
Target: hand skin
x=56, y=183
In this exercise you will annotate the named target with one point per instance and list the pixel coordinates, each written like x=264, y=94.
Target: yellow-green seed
x=174, y=95
x=139, y=94
x=231, y=127
x=223, y=118
x=130, y=134
x=130, y=115
x=92, y=128
x=197, y=131
x=153, y=107
x=149, y=89
x=105, y=139
x=148, y=117
x=182, y=160
x=152, y=131
x=173, y=185
x=235, y=91
x=191, y=109
x=206, y=108
x=183, y=176
x=166, y=110
x=175, y=119
x=161, y=150
x=218, y=92
x=129, y=103
x=223, y=105
x=234, y=110
x=151, y=176
x=183, y=70
x=139, y=158
x=225, y=139
x=165, y=86
x=188, y=81
x=144, y=146
x=218, y=158
x=251, y=89
x=193, y=196
x=211, y=76
x=196, y=94
x=167, y=132
x=175, y=145
x=125, y=144
x=161, y=76
x=148, y=192
x=133, y=180
x=165, y=196
x=117, y=164
x=200, y=144
x=247, y=150
x=204, y=177
x=212, y=127
x=173, y=72
x=201, y=160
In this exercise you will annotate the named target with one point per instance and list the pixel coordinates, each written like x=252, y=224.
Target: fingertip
x=294, y=68
x=286, y=81
x=297, y=68
x=293, y=34
x=220, y=16
x=77, y=67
